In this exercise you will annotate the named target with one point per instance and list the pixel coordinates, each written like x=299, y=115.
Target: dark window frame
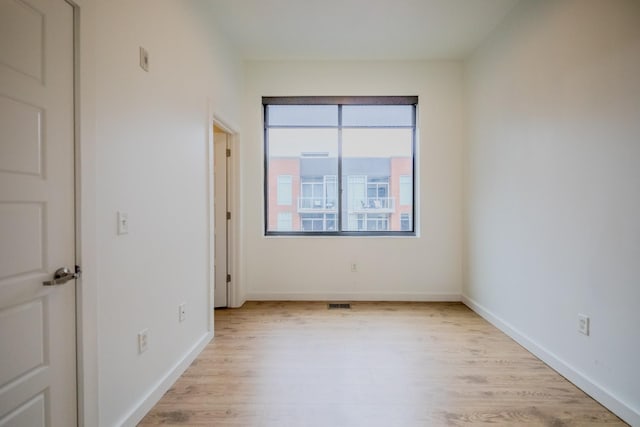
x=339, y=101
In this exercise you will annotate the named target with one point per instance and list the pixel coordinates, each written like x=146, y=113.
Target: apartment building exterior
x=377, y=193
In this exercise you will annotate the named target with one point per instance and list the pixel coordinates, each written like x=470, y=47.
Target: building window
x=318, y=222
x=378, y=192
x=377, y=222
x=318, y=192
x=406, y=190
x=353, y=158
x=284, y=190
x=405, y=222
x=285, y=221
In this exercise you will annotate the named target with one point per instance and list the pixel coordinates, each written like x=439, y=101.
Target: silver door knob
x=61, y=276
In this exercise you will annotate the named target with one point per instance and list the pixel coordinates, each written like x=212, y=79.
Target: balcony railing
x=373, y=205
x=317, y=204
x=366, y=205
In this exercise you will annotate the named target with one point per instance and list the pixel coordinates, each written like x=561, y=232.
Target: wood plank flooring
x=299, y=364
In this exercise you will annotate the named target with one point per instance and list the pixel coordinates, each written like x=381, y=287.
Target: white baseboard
x=165, y=383
x=350, y=296
x=581, y=380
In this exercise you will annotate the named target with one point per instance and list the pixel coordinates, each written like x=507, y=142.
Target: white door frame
x=232, y=243
x=84, y=20
x=81, y=389
x=80, y=396
x=222, y=225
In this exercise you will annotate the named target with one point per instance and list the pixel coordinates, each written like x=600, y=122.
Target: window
x=377, y=222
x=352, y=159
x=318, y=192
x=285, y=221
x=284, y=190
x=406, y=190
x=318, y=222
x=369, y=222
x=405, y=222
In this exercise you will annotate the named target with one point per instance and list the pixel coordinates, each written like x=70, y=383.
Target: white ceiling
x=357, y=29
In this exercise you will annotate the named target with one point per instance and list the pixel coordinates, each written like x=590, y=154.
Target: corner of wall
x=551, y=199
x=156, y=392
x=563, y=367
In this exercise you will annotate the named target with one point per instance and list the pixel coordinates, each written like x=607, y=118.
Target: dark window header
x=343, y=100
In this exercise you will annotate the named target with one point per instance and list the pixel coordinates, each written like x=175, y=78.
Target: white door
x=37, y=322
x=220, y=199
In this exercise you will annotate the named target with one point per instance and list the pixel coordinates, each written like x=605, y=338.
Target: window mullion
x=413, y=169
x=266, y=168
x=340, y=179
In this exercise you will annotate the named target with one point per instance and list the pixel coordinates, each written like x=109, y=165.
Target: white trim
x=352, y=296
x=236, y=290
x=224, y=125
x=87, y=357
x=211, y=215
x=80, y=353
x=235, y=297
x=164, y=384
x=214, y=119
x=580, y=379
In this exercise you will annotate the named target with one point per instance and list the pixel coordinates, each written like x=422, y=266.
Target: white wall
x=554, y=189
x=422, y=268
x=152, y=133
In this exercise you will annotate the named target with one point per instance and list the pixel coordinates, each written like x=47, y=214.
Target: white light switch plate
x=144, y=59
x=123, y=223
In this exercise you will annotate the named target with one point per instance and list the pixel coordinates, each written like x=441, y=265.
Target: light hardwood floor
x=299, y=364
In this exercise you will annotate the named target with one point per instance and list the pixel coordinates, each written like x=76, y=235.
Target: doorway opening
x=222, y=216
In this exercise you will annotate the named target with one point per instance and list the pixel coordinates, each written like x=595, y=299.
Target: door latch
x=62, y=276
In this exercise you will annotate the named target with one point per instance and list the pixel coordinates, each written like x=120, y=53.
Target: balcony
x=366, y=205
x=373, y=205
x=317, y=204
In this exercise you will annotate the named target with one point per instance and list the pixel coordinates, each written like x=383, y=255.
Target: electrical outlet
x=354, y=267
x=182, y=312
x=143, y=341
x=123, y=223
x=583, y=324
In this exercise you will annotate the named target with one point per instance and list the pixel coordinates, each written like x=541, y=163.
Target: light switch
x=123, y=223
x=144, y=59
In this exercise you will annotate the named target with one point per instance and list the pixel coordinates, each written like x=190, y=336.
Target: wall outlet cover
x=583, y=324
x=143, y=341
x=182, y=312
